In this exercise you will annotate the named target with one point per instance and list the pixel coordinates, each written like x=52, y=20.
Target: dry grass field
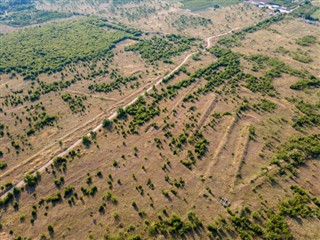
x=168, y=17
x=236, y=121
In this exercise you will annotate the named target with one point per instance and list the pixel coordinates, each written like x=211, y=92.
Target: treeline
x=115, y=85
x=312, y=82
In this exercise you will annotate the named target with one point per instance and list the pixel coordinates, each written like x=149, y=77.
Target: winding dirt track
x=220, y=35
x=113, y=116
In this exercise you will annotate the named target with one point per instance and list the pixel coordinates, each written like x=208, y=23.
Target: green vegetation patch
x=307, y=40
x=186, y=21
x=296, y=152
x=15, y=5
x=115, y=85
x=286, y=3
x=313, y=82
x=264, y=105
x=24, y=18
x=162, y=48
x=141, y=113
x=272, y=225
x=316, y=15
x=306, y=11
x=50, y=48
x=175, y=226
x=195, y=5
x=75, y=103
x=311, y=114
x=277, y=68
x=301, y=56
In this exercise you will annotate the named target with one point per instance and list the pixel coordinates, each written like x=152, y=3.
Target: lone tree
x=121, y=113
x=107, y=123
x=86, y=141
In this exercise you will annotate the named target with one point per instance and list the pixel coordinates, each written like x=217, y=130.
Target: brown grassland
x=202, y=136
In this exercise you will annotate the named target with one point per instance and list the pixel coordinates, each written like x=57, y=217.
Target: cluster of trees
x=296, y=152
x=138, y=12
x=16, y=99
x=31, y=180
x=264, y=84
x=59, y=161
x=298, y=205
x=306, y=11
x=187, y=21
x=38, y=118
x=29, y=17
x=141, y=113
x=50, y=48
x=264, y=105
x=175, y=73
x=200, y=146
x=121, y=27
x=307, y=40
x=75, y=103
x=310, y=117
x=175, y=226
x=227, y=59
x=312, y=82
x=115, y=85
x=161, y=48
x=273, y=224
x=45, y=120
x=301, y=56
x=10, y=197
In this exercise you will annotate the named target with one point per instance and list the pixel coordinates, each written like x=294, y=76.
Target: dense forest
x=50, y=48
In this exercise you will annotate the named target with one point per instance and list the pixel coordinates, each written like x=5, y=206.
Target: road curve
x=220, y=35
x=114, y=114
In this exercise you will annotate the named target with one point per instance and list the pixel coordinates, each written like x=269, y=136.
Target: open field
x=136, y=130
